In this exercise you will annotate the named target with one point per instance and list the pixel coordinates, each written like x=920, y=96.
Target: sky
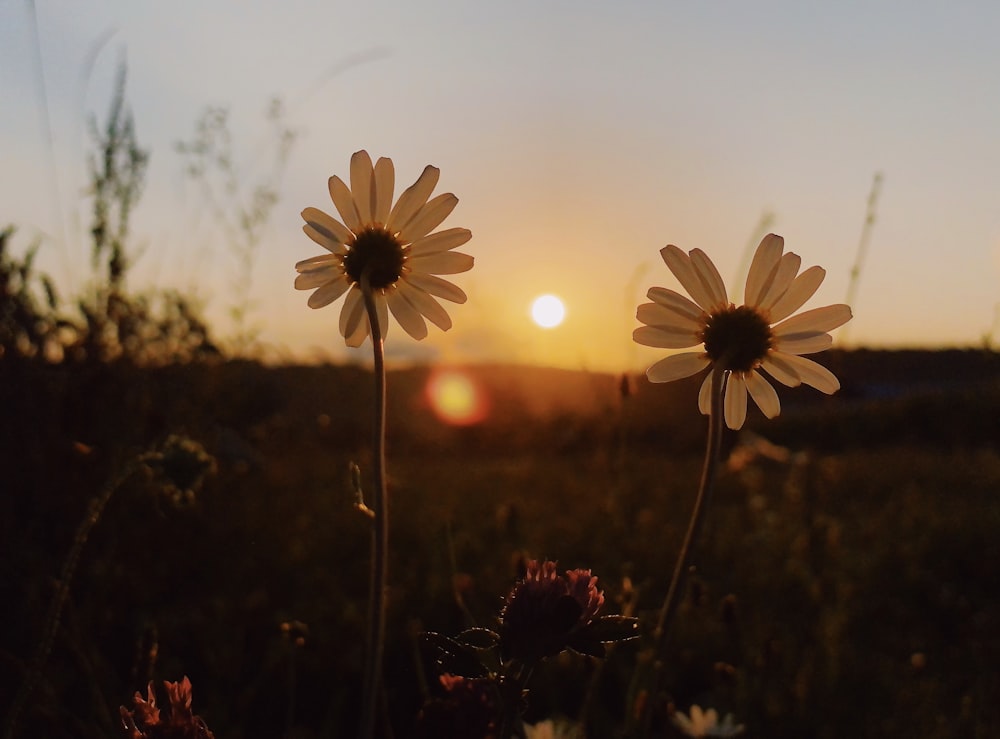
x=580, y=137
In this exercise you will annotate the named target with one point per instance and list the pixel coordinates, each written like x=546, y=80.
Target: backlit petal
x=822, y=319
x=428, y=306
x=784, y=275
x=677, y=302
x=316, y=277
x=654, y=314
x=318, y=263
x=344, y=200
x=385, y=181
x=440, y=241
x=802, y=288
x=779, y=366
x=327, y=293
x=761, y=273
x=406, y=313
x=680, y=264
x=441, y=263
x=428, y=218
x=352, y=312
x=705, y=395
x=804, y=343
x=327, y=226
x=710, y=278
x=664, y=337
x=677, y=366
x=763, y=394
x=413, y=198
x=362, y=186
x=437, y=287
x=815, y=374
x=736, y=401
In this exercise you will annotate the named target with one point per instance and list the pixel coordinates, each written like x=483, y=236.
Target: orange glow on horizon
x=456, y=398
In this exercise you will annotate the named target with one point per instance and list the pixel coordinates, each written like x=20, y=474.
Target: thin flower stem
x=679, y=579
x=380, y=530
x=94, y=510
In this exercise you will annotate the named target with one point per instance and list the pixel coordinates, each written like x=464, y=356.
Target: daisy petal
x=710, y=278
x=654, y=314
x=428, y=306
x=664, y=337
x=680, y=264
x=385, y=181
x=344, y=200
x=763, y=394
x=357, y=338
x=327, y=225
x=441, y=241
x=327, y=293
x=676, y=302
x=437, y=287
x=705, y=395
x=320, y=262
x=362, y=187
x=316, y=277
x=765, y=259
x=442, y=263
x=406, y=314
x=677, y=366
x=413, y=198
x=352, y=312
x=804, y=343
x=824, y=319
x=788, y=267
x=802, y=288
x=736, y=401
x=779, y=366
x=428, y=218
x=815, y=374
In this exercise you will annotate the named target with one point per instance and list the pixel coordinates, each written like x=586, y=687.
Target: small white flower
x=390, y=245
x=550, y=729
x=742, y=340
x=706, y=723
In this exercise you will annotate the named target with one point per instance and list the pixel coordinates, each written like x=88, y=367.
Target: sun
x=548, y=311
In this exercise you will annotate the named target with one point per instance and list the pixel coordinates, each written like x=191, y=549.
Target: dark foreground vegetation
x=846, y=584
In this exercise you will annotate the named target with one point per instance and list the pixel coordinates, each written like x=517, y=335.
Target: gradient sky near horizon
x=580, y=137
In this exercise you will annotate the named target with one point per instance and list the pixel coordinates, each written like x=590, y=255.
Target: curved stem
x=380, y=530
x=679, y=579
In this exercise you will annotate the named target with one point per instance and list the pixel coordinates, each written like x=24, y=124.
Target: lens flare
x=456, y=398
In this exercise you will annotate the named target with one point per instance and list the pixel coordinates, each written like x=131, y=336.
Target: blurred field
x=847, y=583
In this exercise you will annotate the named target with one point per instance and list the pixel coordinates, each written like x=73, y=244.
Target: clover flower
x=390, y=246
x=546, y=610
x=146, y=721
x=706, y=723
x=741, y=340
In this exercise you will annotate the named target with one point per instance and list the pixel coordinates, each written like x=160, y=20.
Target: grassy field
x=846, y=583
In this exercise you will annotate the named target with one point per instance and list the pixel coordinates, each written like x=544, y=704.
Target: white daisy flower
x=742, y=340
x=706, y=723
x=391, y=245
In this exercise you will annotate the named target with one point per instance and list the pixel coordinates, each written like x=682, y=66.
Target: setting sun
x=548, y=311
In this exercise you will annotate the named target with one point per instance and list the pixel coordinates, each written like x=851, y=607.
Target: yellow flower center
x=378, y=252
x=738, y=337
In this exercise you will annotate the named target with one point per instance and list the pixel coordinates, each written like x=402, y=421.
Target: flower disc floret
x=380, y=253
x=738, y=336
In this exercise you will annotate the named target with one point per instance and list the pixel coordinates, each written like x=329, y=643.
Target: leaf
x=592, y=637
x=478, y=638
x=451, y=656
